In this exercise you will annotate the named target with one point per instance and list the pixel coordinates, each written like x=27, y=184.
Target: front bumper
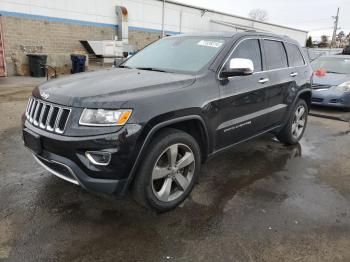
x=330, y=98
x=69, y=171
x=65, y=157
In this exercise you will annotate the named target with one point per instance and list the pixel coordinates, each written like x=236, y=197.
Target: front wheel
x=295, y=127
x=168, y=172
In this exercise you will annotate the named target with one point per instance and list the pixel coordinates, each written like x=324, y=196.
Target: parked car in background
x=311, y=54
x=150, y=124
x=331, y=81
x=346, y=50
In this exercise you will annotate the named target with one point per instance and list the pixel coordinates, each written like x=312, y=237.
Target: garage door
x=2, y=52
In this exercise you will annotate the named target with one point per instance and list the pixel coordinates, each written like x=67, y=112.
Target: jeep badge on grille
x=45, y=95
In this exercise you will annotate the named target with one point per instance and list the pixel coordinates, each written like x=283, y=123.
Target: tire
x=159, y=184
x=346, y=109
x=293, y=131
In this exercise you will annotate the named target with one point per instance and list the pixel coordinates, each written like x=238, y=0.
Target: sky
x=314, y=16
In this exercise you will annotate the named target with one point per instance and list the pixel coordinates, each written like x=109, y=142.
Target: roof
x=209, y=34
x=229, y=34
x=236, y=16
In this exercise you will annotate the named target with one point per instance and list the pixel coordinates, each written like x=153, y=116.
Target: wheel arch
x=305, y=95
x=192, y=124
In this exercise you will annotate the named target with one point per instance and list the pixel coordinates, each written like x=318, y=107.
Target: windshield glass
x=332, y=65
x=177, y=54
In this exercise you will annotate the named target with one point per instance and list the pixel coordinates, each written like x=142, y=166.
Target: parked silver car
x=331, y=81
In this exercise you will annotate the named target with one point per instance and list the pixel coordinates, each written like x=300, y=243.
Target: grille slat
x=52, y=120
x=59, y=113
x=63, y=121
x=319, y=86
x=37, y=113
x=47, y=116
x=32, y=110
x=317, y=100
x=28, y=107
x=43, y=117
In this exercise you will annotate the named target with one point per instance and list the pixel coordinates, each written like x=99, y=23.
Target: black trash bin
x=37, y=64
x=78, y=63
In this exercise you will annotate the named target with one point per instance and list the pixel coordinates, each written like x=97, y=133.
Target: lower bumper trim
x=54, y=172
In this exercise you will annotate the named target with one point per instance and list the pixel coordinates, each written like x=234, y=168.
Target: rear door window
x=249, y=49
x=294, y=55
x=275, y=54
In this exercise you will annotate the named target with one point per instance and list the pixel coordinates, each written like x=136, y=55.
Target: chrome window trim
x=264, y=71
x=301, y=53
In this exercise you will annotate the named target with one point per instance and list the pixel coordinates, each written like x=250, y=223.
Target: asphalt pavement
x=261, y=201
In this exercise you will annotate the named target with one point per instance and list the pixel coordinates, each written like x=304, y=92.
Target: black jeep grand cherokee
x=149, y=124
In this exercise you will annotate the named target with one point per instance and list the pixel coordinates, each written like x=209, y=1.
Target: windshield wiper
x=152, y=69
x=124, y=66
x=333, y=72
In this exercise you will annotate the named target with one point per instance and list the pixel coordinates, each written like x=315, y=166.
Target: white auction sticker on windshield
x=209, y=43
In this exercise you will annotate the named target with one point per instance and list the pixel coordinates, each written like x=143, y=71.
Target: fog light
x=98, y=157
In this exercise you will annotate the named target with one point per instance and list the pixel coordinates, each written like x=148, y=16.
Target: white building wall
x=143, y=15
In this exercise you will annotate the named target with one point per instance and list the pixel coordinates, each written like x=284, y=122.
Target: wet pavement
x=261, y=201
x=330, y=113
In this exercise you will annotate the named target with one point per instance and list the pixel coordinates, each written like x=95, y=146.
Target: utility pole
x=336, y=18
x=163, y=14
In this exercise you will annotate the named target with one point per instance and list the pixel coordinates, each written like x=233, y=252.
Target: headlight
x=344, y=87
x=103, y=117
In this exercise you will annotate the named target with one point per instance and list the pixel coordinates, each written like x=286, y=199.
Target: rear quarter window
x=295, y=57
x=275, y=54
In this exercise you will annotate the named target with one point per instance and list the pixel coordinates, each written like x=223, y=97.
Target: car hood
x=330, y=79
x=110, y=88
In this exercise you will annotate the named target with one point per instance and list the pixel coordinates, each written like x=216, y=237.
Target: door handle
x=263, y=80
x=293, y=74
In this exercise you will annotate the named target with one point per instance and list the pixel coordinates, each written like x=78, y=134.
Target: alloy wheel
x=173, y=172
x=299, y=122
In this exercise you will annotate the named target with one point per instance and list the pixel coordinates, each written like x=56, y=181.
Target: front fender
x=150, y=132
x=304, y=94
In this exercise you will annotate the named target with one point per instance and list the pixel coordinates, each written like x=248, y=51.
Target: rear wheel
x=168, y=172
x=295, y=128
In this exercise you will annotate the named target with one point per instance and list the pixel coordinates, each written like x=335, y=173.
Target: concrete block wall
x=139, y=39
x=57, y=39
x=56, y=26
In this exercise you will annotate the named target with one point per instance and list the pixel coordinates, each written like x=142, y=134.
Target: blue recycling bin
x=78, y=63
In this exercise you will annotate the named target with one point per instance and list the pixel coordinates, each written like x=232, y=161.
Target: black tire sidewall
x=156, y=148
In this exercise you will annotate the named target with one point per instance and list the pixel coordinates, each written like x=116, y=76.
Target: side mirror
x=238, y=67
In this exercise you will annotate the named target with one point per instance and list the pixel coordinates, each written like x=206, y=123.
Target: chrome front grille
x=319, y=86
x=317, y=100
x=47, y=116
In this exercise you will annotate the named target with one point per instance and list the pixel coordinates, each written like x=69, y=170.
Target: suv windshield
x=177, y=54
x=332, y=65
